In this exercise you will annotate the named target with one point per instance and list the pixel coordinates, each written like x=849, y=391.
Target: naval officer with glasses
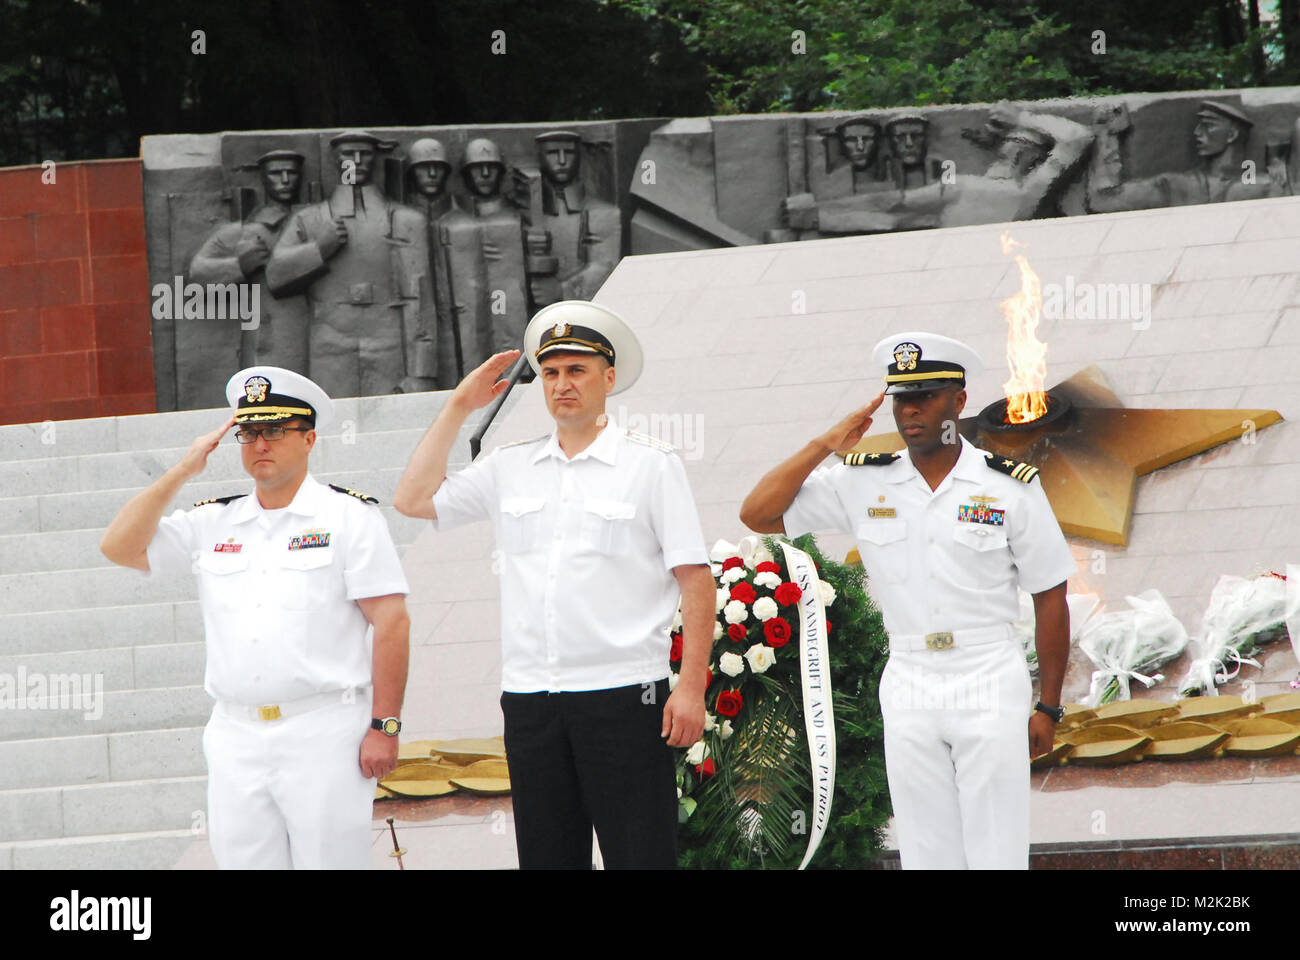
x=304, y=611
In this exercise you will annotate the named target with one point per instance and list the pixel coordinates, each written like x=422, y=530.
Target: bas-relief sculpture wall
x=381, y=260
x=443, y=241
x=752, y=179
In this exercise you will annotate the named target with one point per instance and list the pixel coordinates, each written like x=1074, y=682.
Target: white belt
x=908, y=642
x=292, y=708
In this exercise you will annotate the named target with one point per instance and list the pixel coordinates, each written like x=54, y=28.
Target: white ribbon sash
x=815, y=672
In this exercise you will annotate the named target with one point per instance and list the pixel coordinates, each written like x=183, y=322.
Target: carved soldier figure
x=485, y=249
x=363, y=261
x=238, y=252
x=428, y=171
x=1220, y=136
x=1035, y=153
x=583, y=234
x=858, y=142
x=909, y=164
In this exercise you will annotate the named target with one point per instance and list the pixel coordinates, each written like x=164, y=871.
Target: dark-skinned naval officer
x=946, y=532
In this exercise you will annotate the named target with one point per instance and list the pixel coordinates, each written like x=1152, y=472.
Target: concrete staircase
x=107, y=771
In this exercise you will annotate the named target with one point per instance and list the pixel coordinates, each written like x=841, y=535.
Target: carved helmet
x=482, y=150
x=427, y=150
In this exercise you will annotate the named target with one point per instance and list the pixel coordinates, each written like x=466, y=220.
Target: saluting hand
x=482, y=385
x=851, y=429
x=196, y=458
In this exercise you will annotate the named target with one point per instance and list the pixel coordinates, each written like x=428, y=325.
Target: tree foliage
x=87, y=78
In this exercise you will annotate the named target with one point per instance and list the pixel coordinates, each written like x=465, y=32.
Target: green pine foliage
x=754, y=812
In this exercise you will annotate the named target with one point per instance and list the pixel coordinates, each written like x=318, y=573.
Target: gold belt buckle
x=938, y=641
x=269, y=713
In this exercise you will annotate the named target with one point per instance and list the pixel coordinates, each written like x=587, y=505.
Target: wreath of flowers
x=743, y=785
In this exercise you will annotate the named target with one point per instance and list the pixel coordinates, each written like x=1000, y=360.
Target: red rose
x=675, y=651
x=729, y=703
x=828, y=626
x=732, y=562
x=706, y=769
x=745, y=592
x=787, y=594
x=710, y=678
x=767, y=566
x=777, y=632
x=737, y=632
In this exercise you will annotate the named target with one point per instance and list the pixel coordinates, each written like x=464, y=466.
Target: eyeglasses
x=274, y=432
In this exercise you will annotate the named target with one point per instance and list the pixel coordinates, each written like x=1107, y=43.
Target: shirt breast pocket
x=305, y=575
x=520, y=526
x=219, y=580
x=884, y=548
x=981, y=555
x=607, y=525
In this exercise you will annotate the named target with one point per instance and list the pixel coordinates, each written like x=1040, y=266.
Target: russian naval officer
x=946, y=531
x=303, y=604
x=599, y=539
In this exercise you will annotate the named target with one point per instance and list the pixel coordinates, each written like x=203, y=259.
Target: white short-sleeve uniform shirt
x=586, y=550
x=945, y=559
x=278, y=590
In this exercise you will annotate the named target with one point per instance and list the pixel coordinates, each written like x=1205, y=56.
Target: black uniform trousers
x=592, y=758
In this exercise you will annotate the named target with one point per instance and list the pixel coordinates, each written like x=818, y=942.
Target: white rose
x=760, y=657
x=731, y=664
x=717, y=630
x=672, y=680
x=725, y=731
x=767, y=579
x=710, y=723
x=723, y=595
x=699, y=750
x=765, y=608
x=735, y=612
x=827, y=591
x=677, y=619
x=679, y=793
x=734, y=574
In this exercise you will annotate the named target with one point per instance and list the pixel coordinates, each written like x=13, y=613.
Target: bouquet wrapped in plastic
x=1081, y=606
x=1243, y=615
x=1130, y=645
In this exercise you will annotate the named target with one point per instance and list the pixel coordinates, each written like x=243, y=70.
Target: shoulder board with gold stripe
x=520, y=443
x=1024, y=472
x=649, y=441
x=869, y=459
x=221, y=500
x=364, y=497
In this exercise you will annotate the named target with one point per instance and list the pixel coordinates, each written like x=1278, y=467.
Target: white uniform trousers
x=289, y=792
x=957, y=755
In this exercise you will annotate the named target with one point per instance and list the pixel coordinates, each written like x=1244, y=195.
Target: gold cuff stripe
x=935, y=375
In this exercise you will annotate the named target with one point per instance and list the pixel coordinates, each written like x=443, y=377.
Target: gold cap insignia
x=561, y=329
x=255, y=389
x=906, y=355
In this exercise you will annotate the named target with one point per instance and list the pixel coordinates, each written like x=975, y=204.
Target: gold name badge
x=877, y=512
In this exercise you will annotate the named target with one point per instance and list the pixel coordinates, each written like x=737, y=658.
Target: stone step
x=136, y=469
x=101, y=757
x=97, y=628
x=121, y=668
x=95, y=509
x=97, y=809
x=154, y=850
x=76, y=710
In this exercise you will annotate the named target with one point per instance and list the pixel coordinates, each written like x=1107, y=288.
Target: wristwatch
x=390, y=725
x=1056, y=713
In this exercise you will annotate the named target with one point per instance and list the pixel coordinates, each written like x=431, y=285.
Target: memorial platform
x=749, y=352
